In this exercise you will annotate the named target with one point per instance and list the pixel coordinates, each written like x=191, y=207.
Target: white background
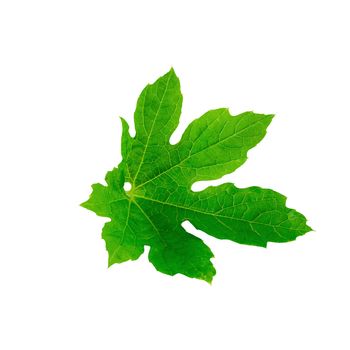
x=69, y=69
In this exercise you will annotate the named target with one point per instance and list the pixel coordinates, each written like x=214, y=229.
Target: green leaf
x=161, y=175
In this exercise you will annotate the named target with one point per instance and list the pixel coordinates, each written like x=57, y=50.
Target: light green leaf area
x=161, y=199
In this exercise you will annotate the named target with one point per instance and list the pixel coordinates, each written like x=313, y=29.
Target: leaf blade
x=161, y=175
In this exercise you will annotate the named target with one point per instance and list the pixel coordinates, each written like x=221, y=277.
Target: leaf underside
x=161, y=199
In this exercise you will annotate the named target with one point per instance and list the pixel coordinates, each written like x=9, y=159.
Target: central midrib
x=191, y=155
x=208, y=213
x=151, y=131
